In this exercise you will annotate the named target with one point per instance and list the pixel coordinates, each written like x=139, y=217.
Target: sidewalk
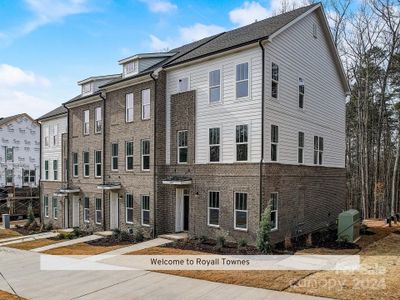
x=26, y=238
x=68, y=243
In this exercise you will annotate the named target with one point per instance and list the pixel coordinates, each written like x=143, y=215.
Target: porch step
x=175, y=236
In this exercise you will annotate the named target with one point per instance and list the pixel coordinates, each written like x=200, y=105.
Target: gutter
x=262, y=122
x=154, y=156
x=103, y=168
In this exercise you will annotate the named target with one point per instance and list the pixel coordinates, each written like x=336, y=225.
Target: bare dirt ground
x=83, y=249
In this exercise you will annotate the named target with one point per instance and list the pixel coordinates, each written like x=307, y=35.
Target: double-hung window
x=32, y=176
x=46, y=206
x=214, y=82
x=86, y=124
x=129, y=156
x=182, y=146
x=26, y=176
x=146, y=104
x=47, y=136
x=75, y=164
x=301, y=93
x=129, y=107
x=241, y=211
x=114, y=157
x=55, y=208
x=274, y=142
x=242, y=144
x=213, y=209
x=274, y=210
x=86, y=164
x=55, y=169
x=98, y=123
x=55, y=135
x=214, y=144
x=97, y=163
x=145, y=210
x=129, y=208
x=145, y=155
x=274, y=80
x=9, y=176
x=318, y=150
x=46, y=170
x=300, y=150
x=9, y=154
x=99, y=211
x=86, y=209
x=242, y=80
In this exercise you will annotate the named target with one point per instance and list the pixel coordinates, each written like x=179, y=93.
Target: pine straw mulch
x=7, y=296
x=8, y=233
x=29, y=245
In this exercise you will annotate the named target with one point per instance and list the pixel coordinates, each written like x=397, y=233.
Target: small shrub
x=221, y=238
x=242, y=243
x=202, y=239
x=77, y=232
x=264, y=231
x=49, y=226
x=139, y=236
x=61, y=236
x=30, y=215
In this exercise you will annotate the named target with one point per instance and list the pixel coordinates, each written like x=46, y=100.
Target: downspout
x=40, y=172
x=103, y=169
x=154, y=156
x=262, y=122
x=68, y=164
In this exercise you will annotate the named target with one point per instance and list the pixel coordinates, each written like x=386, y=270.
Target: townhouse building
x=204, y=137
x=53, y=166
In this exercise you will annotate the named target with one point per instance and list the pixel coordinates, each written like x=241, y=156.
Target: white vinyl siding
x=129, y=107
x=183, y=84
x=146, y=104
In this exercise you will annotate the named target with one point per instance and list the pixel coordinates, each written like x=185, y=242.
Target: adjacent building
x=204, y=137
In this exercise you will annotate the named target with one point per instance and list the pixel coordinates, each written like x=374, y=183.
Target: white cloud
x=160, y=6
x=186, y=35
x=248, y=13
x=11, y=76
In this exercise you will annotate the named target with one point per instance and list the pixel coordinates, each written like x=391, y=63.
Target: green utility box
x=349, y=224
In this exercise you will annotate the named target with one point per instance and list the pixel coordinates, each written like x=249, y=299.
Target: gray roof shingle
x=5, y=120
x=55, y=112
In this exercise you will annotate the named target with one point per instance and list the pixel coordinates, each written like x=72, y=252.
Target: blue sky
x=46, y=46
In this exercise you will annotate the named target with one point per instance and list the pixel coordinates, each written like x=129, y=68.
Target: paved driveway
x=21, y=270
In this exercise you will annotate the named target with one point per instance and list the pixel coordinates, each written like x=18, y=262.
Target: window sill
x=215, y=103
x=130, y=223
x=213, y=226
x=241, y=229
x=97, y=133
x=87, y=222
x=273, y=230
x=146, y=225
x=145, y=171
x=98, y=223
x=147, y=119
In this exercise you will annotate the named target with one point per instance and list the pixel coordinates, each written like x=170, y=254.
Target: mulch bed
x=108, y=241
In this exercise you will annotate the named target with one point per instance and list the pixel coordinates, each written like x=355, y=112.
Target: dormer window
x=130, y=68
x=86, y=88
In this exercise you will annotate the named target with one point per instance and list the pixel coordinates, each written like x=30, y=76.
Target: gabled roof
x=6, y=120
x=102, y=77
x=80, y=97
x=55, y=112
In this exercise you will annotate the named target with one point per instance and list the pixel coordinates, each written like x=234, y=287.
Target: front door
x=66, y=212
x=113, y=210
x=182, y=210
x=75, y=211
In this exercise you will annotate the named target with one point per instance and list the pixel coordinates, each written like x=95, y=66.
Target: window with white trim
x=129, y=156
x=146, y=104
x=25, y=177
x=274, y=210
x=9, y=153
x=129, y=208
x=145, y=155
x=182, y=146
x=214, y=144
x=86, y=167
x=86, y=88
x=300, y=150
x=9, y=176
x=98, y=123
x=242, y=80
x=242, y=143
x=99, y=211
x=214, y=82
x=86, y=125
x=75, y=164
x=145, y=210
x=32, y=176
x=274, y=80
x=46, y=206
x=130, y=67
x=241, y=213
x=97, y=163
x=55, y=169
x=301, y=93
x=55, y=208
x=129, y=107
x=55, y=135
x=183, y=84
x=274, y=142
x=86, y=209
x=318, y=150
x=213, y=209
x=114, y=157
x=46, y=170
x=47, y=136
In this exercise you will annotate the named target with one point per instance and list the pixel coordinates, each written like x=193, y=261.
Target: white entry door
x=66, y=200
x=113, y=210
x=75, y=211
x=179, y=210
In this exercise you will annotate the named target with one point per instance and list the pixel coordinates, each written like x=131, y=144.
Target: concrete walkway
x=27, y=238
x=21, y=269
x=68, y=243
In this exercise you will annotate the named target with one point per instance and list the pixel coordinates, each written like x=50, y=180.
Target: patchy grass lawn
x=377, y=279
x=8, y=233
x=83, y=249
x=29, y=245
x=7, y=296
